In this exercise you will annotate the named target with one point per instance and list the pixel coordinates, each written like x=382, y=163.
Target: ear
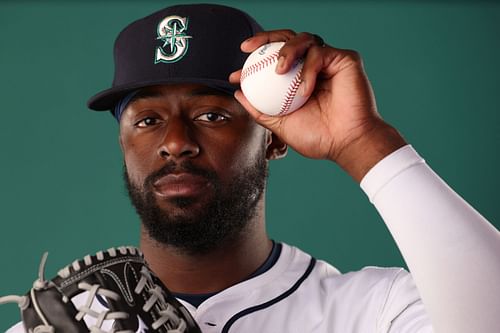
x=120, y=142
x=275, y=148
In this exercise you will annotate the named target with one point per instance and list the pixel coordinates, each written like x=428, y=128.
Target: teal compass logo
x=175, y=41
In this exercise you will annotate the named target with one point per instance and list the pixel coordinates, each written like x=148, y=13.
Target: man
x=195, y=167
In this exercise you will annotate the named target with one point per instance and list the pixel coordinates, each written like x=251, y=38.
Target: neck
x=227, y=265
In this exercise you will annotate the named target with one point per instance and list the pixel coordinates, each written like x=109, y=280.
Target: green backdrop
x=434, y=67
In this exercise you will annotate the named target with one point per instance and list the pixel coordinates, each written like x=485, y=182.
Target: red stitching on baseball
x=290, y=94
x=261, y=64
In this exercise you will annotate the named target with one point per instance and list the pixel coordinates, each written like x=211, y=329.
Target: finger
x=261, y=38
x=234, y=77
x=264, y=37
x=296, y=48
x=319, y=41
x=240, y=97
x=314, y=63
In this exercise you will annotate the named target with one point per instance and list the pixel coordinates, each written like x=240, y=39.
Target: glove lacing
x=96, y=289
x=24, y=301
x=168, y=316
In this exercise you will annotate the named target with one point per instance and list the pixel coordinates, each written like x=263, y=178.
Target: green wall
x=434, y=67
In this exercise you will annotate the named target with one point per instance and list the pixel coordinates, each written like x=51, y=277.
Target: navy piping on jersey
x=275, y=300
x=196, y=299
x=102, y=300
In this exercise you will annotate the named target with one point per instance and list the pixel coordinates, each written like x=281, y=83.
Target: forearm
x=452, y=252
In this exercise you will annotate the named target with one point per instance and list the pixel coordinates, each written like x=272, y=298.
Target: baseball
x=271, y=93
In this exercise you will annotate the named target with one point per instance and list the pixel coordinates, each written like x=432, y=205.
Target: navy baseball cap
x=197, y=43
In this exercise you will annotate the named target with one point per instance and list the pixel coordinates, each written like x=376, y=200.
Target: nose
x=178, y=141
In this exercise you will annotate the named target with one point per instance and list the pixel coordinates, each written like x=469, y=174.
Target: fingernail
x=281, y=63
x=302, y=88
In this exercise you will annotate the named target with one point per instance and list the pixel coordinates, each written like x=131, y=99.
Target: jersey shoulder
x=17, y=328
x=386, y=297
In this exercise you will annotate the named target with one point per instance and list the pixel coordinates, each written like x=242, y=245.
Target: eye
x=146, y=122
x=211, y=117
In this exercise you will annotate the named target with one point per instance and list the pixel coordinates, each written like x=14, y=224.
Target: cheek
x=137, y=159
x=252, y=147
x=238, y=151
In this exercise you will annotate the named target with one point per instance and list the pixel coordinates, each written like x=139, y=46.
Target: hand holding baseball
x=269, y=92
x=339, y=121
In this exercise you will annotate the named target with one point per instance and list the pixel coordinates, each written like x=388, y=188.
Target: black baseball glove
x=111, y=291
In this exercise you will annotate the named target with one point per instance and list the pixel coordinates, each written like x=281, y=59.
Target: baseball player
x=196, y=156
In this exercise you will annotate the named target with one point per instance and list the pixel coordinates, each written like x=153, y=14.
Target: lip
x=180, y=185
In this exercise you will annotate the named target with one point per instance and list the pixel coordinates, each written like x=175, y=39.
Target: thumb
x=272, y=123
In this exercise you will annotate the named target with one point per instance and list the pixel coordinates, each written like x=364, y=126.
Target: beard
x=197, y=231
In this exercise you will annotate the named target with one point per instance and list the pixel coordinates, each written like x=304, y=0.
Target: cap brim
x=107, y=99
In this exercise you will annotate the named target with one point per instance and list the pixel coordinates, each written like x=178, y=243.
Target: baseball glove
x=111, y=291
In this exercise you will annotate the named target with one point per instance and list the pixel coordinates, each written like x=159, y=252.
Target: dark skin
x=339, y=123
x=341, y=114
x=178, y=122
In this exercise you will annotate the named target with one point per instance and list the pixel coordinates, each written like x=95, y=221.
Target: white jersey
x=300, y=294
x=451, y=250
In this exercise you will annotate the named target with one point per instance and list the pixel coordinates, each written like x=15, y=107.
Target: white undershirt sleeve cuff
x=388, y=168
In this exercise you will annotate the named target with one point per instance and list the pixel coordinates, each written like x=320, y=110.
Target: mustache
x=186, y=166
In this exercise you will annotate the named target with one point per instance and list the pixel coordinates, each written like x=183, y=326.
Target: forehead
x=181, y=97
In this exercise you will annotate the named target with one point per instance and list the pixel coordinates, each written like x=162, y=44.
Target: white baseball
x=271, y=93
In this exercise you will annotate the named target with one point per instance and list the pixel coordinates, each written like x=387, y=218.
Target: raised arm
x=452, y=252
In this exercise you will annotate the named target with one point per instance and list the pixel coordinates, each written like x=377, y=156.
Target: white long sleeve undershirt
x=451, y=250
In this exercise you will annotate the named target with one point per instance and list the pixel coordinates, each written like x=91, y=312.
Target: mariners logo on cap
x=172, y=32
